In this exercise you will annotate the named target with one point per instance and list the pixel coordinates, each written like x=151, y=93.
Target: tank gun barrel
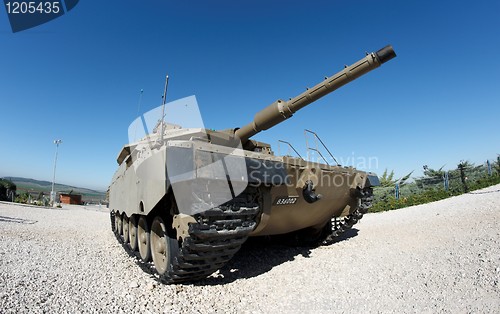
x=281, y=110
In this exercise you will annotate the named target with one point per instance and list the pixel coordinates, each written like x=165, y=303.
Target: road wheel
x=119, y=224
x=115, y=220
x=162, y=246
x=125, y=228
x=112, y=219
x=143, y=239
x=132, y=232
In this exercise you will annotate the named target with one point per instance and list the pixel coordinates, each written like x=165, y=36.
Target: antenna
x=164, y=101
x=138, y=110
x=140, y=101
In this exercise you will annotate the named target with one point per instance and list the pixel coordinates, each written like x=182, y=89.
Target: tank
x=185, y=199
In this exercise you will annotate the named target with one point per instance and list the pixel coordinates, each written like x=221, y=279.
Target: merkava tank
x=188, y=198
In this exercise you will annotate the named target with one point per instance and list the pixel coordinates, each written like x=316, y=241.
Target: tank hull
x=280, y=180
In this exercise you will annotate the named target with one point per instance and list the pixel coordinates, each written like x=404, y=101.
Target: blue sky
x=79, y=76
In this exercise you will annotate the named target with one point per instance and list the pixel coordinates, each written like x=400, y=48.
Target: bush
x=385, y=201
x=427, y=196
x=485, y=182
x=7, y=187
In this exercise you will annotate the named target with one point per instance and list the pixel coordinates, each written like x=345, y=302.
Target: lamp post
x=52, y=193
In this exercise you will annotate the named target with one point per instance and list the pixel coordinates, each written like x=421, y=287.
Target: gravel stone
x=438, y=257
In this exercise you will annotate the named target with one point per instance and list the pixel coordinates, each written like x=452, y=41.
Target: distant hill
x=32, y=185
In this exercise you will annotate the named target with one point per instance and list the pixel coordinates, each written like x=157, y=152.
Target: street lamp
x=52, y=193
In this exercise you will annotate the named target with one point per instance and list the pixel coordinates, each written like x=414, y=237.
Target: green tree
x=496, y=165
x=7, y=188
x=431, y=173
x=403, y=180
x=387, y=180
x=462, y=167
x=431, y=177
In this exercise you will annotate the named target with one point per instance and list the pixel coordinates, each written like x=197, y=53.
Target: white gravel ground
x=440, y=257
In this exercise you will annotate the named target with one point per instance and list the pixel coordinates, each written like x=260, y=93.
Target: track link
x=213, y=241
x=338, y=226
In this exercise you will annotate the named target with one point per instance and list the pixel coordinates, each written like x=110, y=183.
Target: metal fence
x=457, y=180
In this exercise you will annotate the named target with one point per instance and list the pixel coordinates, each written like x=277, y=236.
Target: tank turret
x=281, y=110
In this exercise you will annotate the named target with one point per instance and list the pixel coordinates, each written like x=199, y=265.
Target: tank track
x=221, y=231
x=338, y=226
x=213, y=241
